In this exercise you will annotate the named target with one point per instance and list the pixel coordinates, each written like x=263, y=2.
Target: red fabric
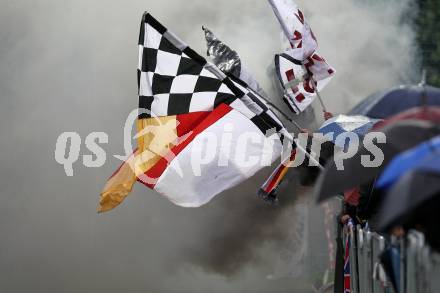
x=307, y=64
x=352, y=196
x=300, y=16
x=187, y=122
x=307, y=87
x=157, y=170
x=120, y=166
x=317, y=57
x=347, y=273
x=300, y=98
x=275, y=180
x=290, y=75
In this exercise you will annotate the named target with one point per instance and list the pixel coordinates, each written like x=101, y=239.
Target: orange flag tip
x=117, y=188
x=110, y=200
x=101, y=209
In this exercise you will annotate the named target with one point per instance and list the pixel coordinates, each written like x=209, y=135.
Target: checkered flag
x=187, y=98
x=262, y=115
x=173, y=79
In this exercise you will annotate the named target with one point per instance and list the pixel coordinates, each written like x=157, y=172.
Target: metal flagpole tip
x=209, y=36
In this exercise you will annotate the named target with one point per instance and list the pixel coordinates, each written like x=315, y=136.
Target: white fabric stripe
x=202, y=101
x=184, y=84
x=205, y=72
x=214, y=70
x=238, y=105
x=159, y=106
x=281, y=9
x=145, y=86
x=141, y=54
x=252, y=105
x=152, y=37
x=167, y=63
x=190, y=190
x=224, y=89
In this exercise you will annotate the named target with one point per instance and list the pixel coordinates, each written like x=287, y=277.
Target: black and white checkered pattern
x=173, y=79
x=263, y=116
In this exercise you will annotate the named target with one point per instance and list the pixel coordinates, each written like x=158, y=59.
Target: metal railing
x=419, y=265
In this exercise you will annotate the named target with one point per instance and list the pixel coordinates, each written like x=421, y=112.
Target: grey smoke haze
x=70, y=66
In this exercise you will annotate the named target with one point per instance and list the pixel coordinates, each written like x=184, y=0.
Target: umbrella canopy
x=343, y=123
x=425, y=156
x=387, y=103
x=427, y=113
x=401, y=136
x=390, y=259
x=405, y=200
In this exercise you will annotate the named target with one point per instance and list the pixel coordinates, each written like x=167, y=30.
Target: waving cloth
x=301, y=71
x=186, y=102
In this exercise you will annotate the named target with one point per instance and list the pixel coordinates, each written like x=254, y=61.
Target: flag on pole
x=295, y=28
x=229, y=61
x=302, y=72
x=268, y=191
x=301, y=80
x=347, y=273
x=185, y=104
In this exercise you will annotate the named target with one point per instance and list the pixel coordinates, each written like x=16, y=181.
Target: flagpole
x=283, y=114
x=321, y=101
x=288, y=118
x=299, y=147
x=309, y=156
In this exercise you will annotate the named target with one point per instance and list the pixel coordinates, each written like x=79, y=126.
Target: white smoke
x=370, y=43
x=70, y=66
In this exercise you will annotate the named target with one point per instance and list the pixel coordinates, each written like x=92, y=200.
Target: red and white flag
x=301, y=71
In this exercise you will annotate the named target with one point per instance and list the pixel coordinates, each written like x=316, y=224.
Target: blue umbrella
x=359, y=125
x=390, y=102
x=424, y=157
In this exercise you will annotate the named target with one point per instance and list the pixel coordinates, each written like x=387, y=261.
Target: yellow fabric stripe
x=155, y=137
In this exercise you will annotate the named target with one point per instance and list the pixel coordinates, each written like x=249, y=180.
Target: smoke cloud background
x=70, y=66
